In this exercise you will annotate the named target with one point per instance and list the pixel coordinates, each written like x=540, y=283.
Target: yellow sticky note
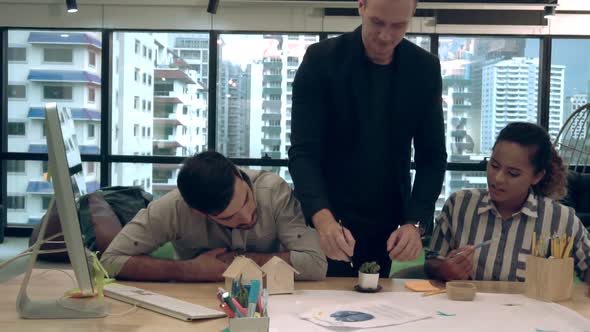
x=421, y=286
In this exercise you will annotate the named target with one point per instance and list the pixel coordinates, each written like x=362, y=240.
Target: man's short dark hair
x=206, y=182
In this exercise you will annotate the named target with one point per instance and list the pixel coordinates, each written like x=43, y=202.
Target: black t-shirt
x=379, y=193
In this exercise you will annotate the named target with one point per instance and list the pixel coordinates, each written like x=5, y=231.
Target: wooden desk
x=52, y=284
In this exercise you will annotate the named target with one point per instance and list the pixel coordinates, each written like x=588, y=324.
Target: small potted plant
x=369, y=275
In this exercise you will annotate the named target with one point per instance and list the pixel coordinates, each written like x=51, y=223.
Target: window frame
x=17, y=122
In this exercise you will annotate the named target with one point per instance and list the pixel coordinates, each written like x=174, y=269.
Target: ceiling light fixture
x=549, y=12
x=212, y=6
x=72, y=6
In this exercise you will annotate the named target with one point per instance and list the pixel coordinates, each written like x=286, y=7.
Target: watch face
x=420, y=229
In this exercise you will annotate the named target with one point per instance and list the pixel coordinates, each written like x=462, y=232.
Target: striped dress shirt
x=469, y=217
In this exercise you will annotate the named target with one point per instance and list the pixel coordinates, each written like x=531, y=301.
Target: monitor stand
x=64, y=307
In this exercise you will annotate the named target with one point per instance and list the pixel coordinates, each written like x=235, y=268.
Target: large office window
x=569, y=90
x=55, y=70
x=29, y=186
x=487, y=83
x=420, y=40
x=157, y=105
x=157, y=179
x=254, y=72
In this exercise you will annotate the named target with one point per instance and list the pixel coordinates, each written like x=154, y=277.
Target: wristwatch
x=421, y=230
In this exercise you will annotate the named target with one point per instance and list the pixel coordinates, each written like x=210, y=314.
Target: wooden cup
x=461, y=291
x=549, y=279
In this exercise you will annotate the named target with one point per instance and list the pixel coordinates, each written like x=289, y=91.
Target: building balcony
x=172, y=75
x=463, y=107
x=455, y=80
x=164, y=151
x=167, y=100
x=272, y=65
x=272, y=78
x=271, y=130
x=63, y=76
x=60, y=38
x=271, y=91
x=459, y=184
x=271, y=116
x=46, y=188
x=271, y=141
x=461, y=94
x=458, y=133
x=170, y=167
x=272, y=104
x=84, y=149
x=270, y=154
x=166, y=140
x=165, y=113
x=458, y=121
x=78, y=114
x=461, y=147
x=170, y=121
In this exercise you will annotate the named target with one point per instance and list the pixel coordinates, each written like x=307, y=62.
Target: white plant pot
x=368, y=281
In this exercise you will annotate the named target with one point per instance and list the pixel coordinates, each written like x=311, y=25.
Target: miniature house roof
x=275, y=262
x=237, y=266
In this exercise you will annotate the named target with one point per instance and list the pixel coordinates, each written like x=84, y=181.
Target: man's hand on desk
x=207, y=266
x=458, y=264
x=404, y=244
x=228, y=256
x=336, y=241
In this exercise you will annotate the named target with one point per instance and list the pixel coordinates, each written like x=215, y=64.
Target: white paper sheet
x=487, y=313
x=363, y=315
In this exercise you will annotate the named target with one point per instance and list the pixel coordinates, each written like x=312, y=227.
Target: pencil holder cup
x=549, y=279
x=249, y=324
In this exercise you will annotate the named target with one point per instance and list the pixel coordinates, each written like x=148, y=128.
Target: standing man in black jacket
x=359, y=100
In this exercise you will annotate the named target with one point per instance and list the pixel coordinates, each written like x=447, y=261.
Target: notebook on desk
x=160, y=303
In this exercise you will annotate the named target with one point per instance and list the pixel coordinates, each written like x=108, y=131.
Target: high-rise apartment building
x=61, y=67
x=510, y=93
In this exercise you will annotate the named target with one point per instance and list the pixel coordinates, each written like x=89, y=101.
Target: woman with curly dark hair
x=525, y=177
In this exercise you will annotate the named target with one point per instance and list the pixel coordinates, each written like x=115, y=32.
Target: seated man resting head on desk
x=217, y=212
x=487, y=234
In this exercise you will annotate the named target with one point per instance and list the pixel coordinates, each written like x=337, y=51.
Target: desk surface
x=52, y=284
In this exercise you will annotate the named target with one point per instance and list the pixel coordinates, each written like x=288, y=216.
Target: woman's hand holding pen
x=459, y=264
x=337, y=242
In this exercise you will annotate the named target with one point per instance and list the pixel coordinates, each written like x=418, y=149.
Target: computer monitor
x=65, y=170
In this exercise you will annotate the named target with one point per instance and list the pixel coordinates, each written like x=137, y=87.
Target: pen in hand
x=342, y=229
x=475, y=247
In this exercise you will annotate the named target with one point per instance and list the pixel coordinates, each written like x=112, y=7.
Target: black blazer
x=329, y=92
